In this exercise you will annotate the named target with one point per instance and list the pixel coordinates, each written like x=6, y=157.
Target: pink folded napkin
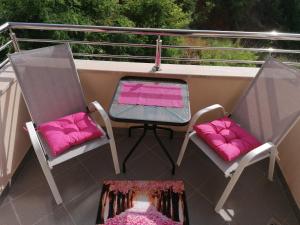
x=151, y=94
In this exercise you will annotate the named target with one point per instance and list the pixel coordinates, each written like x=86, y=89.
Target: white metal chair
x=51, y=89
x=268, y=109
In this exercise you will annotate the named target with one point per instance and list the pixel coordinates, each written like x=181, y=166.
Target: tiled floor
x=254, y=201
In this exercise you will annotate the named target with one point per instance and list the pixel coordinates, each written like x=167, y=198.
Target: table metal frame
x=148, y=125
x=154, y=128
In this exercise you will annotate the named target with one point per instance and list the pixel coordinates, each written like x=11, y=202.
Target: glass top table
x=151, y=116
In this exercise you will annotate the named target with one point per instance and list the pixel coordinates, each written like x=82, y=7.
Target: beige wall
x=100, y=85
x=14, y=142
x=289, y=153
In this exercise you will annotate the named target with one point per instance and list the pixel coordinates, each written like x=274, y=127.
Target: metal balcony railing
x=14, y=41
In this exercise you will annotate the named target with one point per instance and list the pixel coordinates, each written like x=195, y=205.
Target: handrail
x=159, y=46
x=122, y=44
x=4, y=62
x=272, y=35
x=228, y=61
x=103, y=43
x=4, y=27
x=5, y=45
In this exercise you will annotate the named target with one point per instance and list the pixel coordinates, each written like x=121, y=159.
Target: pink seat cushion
x=68, y=131
x=226, y=138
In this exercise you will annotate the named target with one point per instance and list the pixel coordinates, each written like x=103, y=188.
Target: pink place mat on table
x=151, y=94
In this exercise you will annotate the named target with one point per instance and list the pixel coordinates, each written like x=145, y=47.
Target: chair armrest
x=95, y=106
x=255, y=152
x=35, y=141
x=201, y=112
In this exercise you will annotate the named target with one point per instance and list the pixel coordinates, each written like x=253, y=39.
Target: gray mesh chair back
x=270, y=105
x=49, y=82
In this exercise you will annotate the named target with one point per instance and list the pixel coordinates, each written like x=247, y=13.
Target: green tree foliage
x=223, y=54
x=218, y=54
x=129, y=13
x=155, y=13
x=247, y=15
x=250, y=15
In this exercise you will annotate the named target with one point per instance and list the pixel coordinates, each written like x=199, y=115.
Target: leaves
x=129, y=13
x=254, y=15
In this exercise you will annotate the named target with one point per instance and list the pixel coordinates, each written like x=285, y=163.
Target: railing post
x=14, y=40
x=158, y=54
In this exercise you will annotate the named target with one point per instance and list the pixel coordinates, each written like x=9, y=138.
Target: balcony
x=26, y=197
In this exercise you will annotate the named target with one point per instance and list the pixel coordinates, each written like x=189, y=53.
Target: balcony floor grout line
x=15, y=212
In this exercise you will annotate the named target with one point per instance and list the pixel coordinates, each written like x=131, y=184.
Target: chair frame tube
x=245, y=161
x=43, y=161
x=47, y=167
x=95, y=106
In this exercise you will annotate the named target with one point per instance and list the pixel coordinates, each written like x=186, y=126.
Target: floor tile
x=30, y=176
x=59, y=217
x=95, y=153
x=258, y=205
x=253, y=201
x=202, y=212
x=65, y=166
x=100, y=166
x=291, y=219
x=147, y=166
x=7, y=215
x=123, y=145
x=274, y=198
x=215, y=185
x=172, y=145
x=84, y=208
x=196, y=170
x=34, y=204
x=73, y=182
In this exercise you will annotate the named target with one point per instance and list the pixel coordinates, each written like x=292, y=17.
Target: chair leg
x=272, y=164
x=183, y=148
x=114, y=155
x=43, y=161
x=228, y=189
x=50, y=180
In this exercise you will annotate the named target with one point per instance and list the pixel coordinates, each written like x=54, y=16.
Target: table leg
x=134, y=127
x=164, y=149
x=167, y=129
x=134, y=147
x=154, y=128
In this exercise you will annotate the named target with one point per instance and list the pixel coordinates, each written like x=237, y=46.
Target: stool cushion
x=226, y=138
x=68, y=131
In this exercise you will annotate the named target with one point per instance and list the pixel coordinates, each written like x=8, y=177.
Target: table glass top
x=151, y=114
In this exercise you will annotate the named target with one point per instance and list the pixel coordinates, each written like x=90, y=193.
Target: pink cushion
x=68, y=131
x=227, y=138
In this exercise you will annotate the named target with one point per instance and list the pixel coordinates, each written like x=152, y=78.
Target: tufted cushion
x=68, y=131
x=227, y=138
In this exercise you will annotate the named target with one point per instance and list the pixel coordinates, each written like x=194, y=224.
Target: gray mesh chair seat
x=51, y=89
x=268, y=109
x=226, y=167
